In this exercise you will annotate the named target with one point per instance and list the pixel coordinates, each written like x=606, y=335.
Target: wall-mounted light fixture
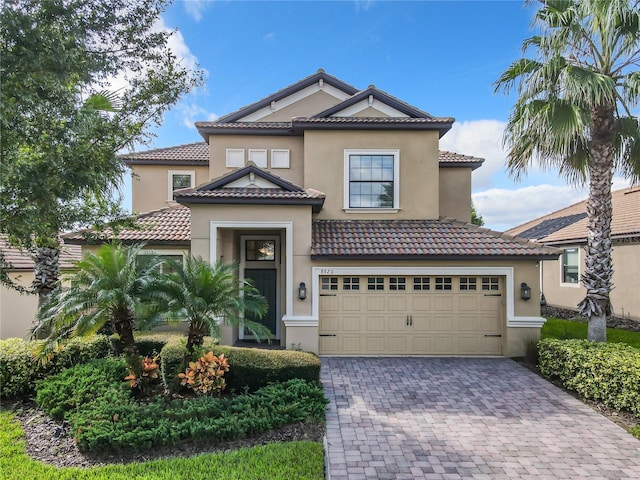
x=525, y=291
x=302, y=291
x=543, y=301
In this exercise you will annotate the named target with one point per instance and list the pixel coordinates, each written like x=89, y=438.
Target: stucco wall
x=150, y=184
x=218, y=145
x=625, y=296
x=455, y=193
x=17, y=311
x=419, y=188
x=314, y=103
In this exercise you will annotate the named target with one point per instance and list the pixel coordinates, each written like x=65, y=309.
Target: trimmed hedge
x=75, y=387
x=606, y=372
x=19, y=369
x=148, y=344
x=250, y=368
x=126, y=425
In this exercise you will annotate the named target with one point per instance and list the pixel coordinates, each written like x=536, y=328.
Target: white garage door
x=414, y=315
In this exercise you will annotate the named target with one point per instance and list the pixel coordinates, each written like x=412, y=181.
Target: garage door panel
x=418, y=320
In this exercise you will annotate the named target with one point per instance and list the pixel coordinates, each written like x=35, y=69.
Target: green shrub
x=250, y=368
x=606, y=372
x=77, y=386
x=118, y=426
x=148, y=344
x=19, y=369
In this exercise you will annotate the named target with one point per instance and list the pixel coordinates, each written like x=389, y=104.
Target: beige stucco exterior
x=150, y=184
x=624, y=296
x=316, y=102
x=324, y=154
x=455, y=193
x=17, y=311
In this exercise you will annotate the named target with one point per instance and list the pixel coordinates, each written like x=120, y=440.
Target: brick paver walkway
x=441, y=418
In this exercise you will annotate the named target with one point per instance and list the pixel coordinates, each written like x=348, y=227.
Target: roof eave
x=186, y=163
x=316, y=203
x=147, y=242
x=206, y=130
x=436, y=257
x=442, y=127
x=471, y=165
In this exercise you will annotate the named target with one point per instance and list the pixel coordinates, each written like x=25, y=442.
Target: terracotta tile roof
x=21, y=260
x=570, y=223
x=452, y=159
x=370, y=120
x=244, y=125
x=439, y=239
x=256, y=193
x=170, y=225
x=189, y=154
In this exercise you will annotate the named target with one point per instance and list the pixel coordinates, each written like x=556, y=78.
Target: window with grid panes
x=421, y=283
x=468, y=283
x=351, y=283
x=329, y=283
x=375, y=283
x=443, y=283
x=490, y=284
x=397, y=283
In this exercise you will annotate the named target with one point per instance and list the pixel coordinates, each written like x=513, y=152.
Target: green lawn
x=563, y=329
x=299, y=460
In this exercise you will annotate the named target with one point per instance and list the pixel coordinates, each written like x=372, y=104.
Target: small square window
x=443, y=283
x=329, y=283
x=421, y=283
x=397, y=283
x=375, y=283
x=280, y=159
x=259, y=157
x=490, y=284
x=351, y=283
x=235, y=157
x=261, y=250
x=468, y=283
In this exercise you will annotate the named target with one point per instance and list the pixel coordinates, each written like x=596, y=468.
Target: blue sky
x=441, y=56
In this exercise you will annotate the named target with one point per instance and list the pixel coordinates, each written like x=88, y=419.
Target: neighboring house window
x=397, y=283
x=371, y=179
x=259, y=157
x=235, y=157
x=570, y=259
x=467, y=283
x=375, y=283
x=180, y=179
x=351, y=283
x=167, y=268
x=329, y=283
x=443, y=283
x=280, y=158
x=421, y=283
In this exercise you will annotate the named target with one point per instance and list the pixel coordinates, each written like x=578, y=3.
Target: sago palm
x=207, y=296
x=107, y=289
x=573, y=114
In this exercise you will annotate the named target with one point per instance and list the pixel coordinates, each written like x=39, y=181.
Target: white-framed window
x=167, y=256
x=180, y=179
x=371, y=180
x=235, y=157
x=258, y=156
x=570, y=266
x=280, y=158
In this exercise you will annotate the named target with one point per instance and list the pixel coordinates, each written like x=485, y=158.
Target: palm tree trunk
x=124, y=329
x=598, y=265
x=195, y=341
x=46, y=272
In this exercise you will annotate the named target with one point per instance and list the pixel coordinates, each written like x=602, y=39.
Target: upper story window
x=570, y=258
x=371, y=179
x=180, y=179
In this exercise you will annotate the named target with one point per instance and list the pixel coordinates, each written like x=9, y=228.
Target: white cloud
x=480, y=138
x=269, y=36
x=195, y=8
x=503, y=209
x=191, y=112
x=363, y=5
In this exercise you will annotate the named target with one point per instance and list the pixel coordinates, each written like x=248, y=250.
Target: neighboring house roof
x=189, y=154
x=277, y=191
x=198, y=153
x=570, y=224
x=21, y=260
x=167, y=226
x=441, y=239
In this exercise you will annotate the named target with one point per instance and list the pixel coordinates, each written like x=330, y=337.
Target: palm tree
x=207, y=295
x=573, y=114
x=108, y=288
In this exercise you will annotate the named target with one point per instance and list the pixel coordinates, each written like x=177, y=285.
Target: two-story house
x=339, y=205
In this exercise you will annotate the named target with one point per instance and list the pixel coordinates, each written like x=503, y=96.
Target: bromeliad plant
x=205, y=376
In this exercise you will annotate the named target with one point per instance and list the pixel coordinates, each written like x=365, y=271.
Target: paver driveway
x=478, y=418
